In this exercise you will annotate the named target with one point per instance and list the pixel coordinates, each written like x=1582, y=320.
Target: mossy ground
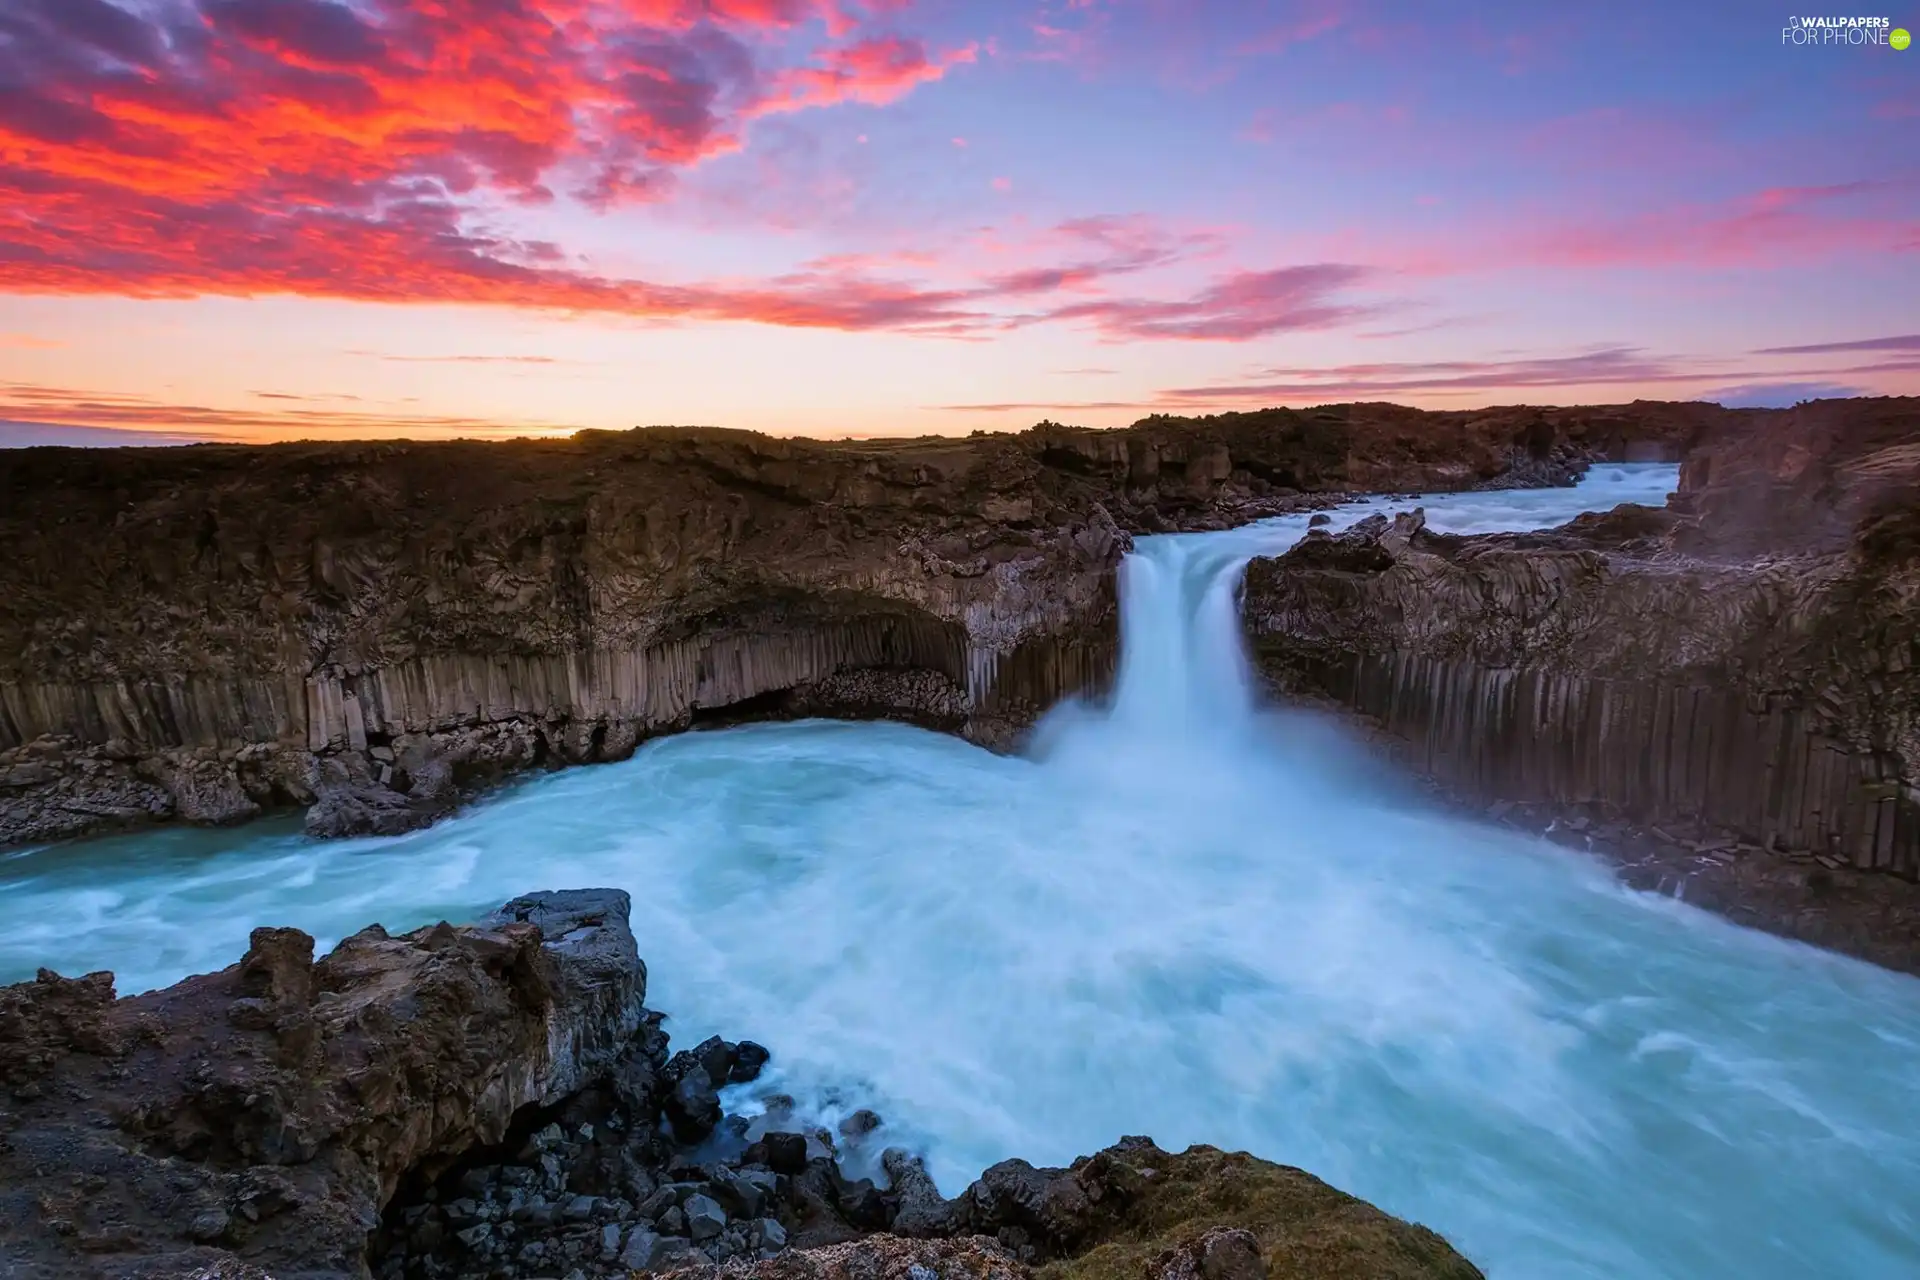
x=1307, y=1230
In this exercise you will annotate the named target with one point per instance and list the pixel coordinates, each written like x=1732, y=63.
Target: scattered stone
x=209, y=1226
x=748, y=1060
x=694, y=1107
x=717, y=1056
x=705, y=1218
x=475, y=1234
x=1224, y=1253
x=859, y=1124
x=785, y=1152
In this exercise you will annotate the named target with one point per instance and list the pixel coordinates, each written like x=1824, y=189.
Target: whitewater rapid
x=1179, y=914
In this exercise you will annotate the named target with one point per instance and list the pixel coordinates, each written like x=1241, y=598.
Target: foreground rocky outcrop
x=274, y=1107
x=372, y=631
x=494, y=1101
x=1727, y=685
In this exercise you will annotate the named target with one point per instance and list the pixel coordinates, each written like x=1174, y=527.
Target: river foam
x=1179, y=914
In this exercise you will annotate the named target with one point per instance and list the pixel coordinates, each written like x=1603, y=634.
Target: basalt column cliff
x=370, y=630
x=1738, y=667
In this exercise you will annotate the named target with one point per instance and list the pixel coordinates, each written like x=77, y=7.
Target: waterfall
x=1183, y=671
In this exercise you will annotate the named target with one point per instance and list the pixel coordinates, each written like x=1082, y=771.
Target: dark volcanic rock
x=1742, y=662
x=271, y=1109
x=375, y=631
x=748, y=1059
x=694, y=1106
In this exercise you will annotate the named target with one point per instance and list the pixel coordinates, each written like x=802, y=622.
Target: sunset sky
x=273, y=219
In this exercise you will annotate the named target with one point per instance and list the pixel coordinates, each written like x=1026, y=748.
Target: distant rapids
x=1179, y=914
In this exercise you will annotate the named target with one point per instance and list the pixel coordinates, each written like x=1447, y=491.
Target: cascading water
x=1179, y=914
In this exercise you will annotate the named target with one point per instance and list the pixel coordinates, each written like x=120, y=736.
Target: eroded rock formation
x=493, y=1101
x=1742, y=660
x=372, y=630
x=271, y=1109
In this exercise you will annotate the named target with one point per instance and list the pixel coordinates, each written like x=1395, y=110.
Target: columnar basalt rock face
x=372, y=630
x=1745, y=657
x=492, y=1100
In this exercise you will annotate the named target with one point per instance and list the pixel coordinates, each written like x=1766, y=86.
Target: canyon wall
x=1744, y=658
x=373, y=630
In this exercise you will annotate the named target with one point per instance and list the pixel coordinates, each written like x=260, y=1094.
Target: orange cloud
x=302, y=146
x=250, y=147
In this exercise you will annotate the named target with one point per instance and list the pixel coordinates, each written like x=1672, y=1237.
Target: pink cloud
x=1315, y=18
x=874, y=71
x=1246, y=304
x=1769, y=228
x=1374, y=380
x=1775, y=227
x=1605, y=366
x=1075, y=34
x=1896, y=342
x=1636, y=139
x=1320, y=124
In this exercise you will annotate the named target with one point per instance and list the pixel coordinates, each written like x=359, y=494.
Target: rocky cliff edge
x=1734, y=674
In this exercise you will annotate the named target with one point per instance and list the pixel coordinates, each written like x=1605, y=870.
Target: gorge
x=1174, y=909
x=370, y=631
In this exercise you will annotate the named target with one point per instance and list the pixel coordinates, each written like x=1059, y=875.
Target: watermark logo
x=1816, y=32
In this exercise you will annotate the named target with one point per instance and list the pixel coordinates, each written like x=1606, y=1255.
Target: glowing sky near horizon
x=270, y=219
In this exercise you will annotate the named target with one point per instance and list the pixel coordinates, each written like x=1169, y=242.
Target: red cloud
x=305, y=146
